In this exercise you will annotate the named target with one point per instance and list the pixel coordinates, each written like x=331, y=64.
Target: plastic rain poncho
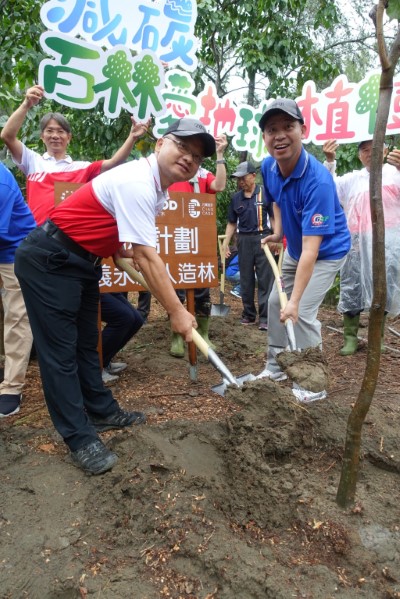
x=356, y=288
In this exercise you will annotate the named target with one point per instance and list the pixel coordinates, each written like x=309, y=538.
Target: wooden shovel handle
x=277, y=270
x=139, y=278
x=200, y=343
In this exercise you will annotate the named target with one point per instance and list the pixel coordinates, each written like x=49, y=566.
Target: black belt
x=53, y=231
x=256, y=233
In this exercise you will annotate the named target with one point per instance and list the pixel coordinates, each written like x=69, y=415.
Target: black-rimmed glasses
x=184, y=149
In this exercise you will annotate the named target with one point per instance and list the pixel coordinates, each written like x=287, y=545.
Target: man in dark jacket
x=250, y=213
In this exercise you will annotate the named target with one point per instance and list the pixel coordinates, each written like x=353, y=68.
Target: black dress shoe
x=118, y=419
x=94, y=458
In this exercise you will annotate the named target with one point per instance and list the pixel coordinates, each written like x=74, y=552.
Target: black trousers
x=252, y=262
x=202, y=300
x=61, y=294
x=122, y=322
x=144, y=304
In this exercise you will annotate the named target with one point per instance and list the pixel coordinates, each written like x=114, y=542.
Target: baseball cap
x=281, y=105
x=364, y=141
x=189, y=127
x=244, y=168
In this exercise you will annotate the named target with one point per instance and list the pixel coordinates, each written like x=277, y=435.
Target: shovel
x=277, y=270
x=221, y=309
x=227, y=376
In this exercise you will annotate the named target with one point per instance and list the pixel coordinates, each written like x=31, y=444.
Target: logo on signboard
x=170, y=205
x=193, y=208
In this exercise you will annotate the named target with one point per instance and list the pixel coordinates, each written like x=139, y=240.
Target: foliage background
x=270, y=46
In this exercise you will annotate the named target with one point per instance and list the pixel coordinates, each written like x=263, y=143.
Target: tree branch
x=382, y=50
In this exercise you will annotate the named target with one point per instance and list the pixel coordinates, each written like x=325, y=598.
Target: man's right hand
x=329, y=149
x=225, y=251
x=183, y=322
x=33, y=96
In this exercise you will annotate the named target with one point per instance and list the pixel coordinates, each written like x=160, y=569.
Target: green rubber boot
x=204, y=323
x=383, y=349
x=350, y=330
x=177, y=348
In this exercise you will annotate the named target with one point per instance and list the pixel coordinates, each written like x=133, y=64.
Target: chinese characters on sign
x=165, y=27
x=186, y=241
x=116, y=51
x=119, y=53
x=345, y=111
x=80, y=74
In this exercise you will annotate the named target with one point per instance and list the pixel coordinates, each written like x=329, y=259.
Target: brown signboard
x=186, y=241
x=62, y=190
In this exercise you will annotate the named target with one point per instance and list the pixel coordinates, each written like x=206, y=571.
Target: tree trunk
x=348, y=480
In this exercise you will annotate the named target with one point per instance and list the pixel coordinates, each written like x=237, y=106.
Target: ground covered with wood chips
x=215, y=497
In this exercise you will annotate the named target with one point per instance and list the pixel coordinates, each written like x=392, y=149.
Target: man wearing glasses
x=59, y=266
x=203, y=181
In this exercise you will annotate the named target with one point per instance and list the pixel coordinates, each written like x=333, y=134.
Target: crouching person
x=59, y=268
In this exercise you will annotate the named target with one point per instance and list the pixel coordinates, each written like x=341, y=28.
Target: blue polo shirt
x=16, y=220
x=309, y=205
x=251, y=214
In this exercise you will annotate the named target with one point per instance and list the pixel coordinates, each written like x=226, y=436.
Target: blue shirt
x=251, y=214
x=233, y=266
x=16, y=220
x=309, y=205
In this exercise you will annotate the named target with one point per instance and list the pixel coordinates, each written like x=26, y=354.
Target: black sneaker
x=9, y=404
x=94, y=458
x=119, y=419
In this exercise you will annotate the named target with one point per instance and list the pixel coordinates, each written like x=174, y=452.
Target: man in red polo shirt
x=59, y=266
x=203, y=182
x=55, y=165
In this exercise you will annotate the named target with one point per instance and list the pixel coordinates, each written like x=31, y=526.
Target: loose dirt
x=309, y=368
x=215, y=497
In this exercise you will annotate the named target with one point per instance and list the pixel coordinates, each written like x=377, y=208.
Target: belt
x=53, y=231
x=258, y=233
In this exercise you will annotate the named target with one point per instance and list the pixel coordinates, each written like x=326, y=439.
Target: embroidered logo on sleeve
x=317, y=220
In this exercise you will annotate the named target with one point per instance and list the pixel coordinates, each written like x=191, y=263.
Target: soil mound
x=216, y=497
x=309, y=368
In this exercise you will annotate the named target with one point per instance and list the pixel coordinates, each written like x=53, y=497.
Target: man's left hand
x=221, y=143
x=139, y=129
x=393, y=158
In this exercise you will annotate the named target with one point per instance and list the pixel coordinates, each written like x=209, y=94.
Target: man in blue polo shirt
x=308, y=212
x=16, y=221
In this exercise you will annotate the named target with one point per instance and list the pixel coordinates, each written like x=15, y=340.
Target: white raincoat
x=356, y=275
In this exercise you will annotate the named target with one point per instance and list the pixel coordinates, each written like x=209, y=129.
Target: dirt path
x=216, y=497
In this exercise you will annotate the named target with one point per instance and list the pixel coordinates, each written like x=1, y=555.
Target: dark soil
x=215, y=497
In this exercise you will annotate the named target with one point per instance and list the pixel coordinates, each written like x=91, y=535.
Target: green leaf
x=393, y=9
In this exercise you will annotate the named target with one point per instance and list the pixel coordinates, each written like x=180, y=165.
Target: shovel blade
x=220, y=310
x=221, y=388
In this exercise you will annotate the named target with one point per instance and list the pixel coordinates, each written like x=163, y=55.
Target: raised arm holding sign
x=55, y=165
